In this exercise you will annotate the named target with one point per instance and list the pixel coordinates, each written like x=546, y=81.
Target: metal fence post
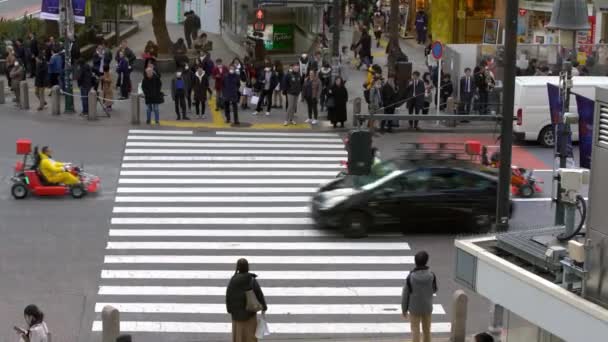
x=2, y=97
x=459, y=316
x=110, y=324
x=356, y=111
x=92, y=98
x=24, y=95
x=135, y=109
x=55, y=100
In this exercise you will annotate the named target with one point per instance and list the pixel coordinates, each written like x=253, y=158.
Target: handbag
x=247, y=91
x=262, y=330
x=255, y=99
x=252, y=304
x=331, y=102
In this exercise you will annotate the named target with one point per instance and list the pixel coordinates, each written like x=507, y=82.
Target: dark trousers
x=465, y=103
x=125, y=86
x=413, y=108
x=421, y=36
x=267, y=95
x=235, y=110
x=180, y=102
x=378, y=35
x=200, y=105
x=84, y=98
x=188, y=35
x=313, y=109
x=388, y=124
x=483, y=102
x=189, y=99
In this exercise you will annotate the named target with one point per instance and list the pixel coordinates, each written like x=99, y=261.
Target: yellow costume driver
x=54, y=171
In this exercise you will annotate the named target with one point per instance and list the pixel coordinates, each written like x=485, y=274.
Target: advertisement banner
x=49, y=10
x=586, y=108
x=555, y=109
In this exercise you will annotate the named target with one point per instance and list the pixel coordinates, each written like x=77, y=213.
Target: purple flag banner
x=586, y=109
x=555, y=109
x=49, y=10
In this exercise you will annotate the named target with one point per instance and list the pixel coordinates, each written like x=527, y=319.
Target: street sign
x=437, y=49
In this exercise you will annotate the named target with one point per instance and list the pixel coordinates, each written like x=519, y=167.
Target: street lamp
x=67, y=31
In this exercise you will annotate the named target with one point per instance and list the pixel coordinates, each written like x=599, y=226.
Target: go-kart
x=523, y=181
x=28, y=180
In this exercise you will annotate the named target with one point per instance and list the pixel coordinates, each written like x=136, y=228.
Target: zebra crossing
x=188, y=206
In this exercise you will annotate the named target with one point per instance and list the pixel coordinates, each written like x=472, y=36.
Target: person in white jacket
x=36, y=331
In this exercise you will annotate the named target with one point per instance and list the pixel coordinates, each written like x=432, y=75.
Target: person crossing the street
x=417, y=298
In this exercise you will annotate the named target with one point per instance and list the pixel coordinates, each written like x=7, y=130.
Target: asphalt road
x=52, y=250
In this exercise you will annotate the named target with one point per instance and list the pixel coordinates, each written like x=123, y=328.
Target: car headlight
x=331, y=202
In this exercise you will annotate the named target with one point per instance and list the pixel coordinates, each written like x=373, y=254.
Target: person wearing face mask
x=293, y=88
x=325, y=76
x=178, y=94
x=151, y=86
x=37, y=330
x=17, y=75
x=303, y=63
x=219, y=73
x=277, y=98
x=415, y=95
x=389, y=99
x=200, y=88
x=124, y=76
x=230, y=93
x=98, y=61
x=267, y=81
x=311, y=93
x=248, y=74
x=188, y=76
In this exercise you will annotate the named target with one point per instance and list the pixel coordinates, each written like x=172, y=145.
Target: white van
x=532, y=105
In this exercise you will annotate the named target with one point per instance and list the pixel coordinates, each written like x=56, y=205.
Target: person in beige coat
x=311, y=93
x=17, y=75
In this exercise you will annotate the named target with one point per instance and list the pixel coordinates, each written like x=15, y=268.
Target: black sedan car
x=431, y=196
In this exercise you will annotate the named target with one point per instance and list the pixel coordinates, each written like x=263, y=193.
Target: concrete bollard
x=110, y=324
x=135, y=109
x=450, y=106
x=459, y=316
x=356, y=111
x=24, y=95
x=92, y=105
x=56, y=100
x=2, y=96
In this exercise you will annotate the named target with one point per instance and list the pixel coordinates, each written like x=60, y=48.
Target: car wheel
x=356, y=224
x=547, y=137
x=19, y=191
x=77, y=191
x=526, y=191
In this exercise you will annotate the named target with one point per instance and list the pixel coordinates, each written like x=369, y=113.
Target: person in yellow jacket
x=54, y=171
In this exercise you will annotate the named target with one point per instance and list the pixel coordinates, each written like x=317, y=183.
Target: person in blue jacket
x=231, y=94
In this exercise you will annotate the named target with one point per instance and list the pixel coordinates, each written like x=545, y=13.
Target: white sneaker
x=307, y=121
x=254, y=113
x=267, y=113
x=285, y=123
x=314, y=122
x=293, y=122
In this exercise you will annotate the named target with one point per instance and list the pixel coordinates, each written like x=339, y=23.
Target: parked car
x=458, y=198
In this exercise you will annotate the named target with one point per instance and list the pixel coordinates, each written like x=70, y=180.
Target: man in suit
x=467, y=91
x=415, y=97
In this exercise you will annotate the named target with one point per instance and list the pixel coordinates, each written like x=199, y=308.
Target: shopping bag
x=254, y=100
x=262, y=330
x=140, y=91
x=247, y=91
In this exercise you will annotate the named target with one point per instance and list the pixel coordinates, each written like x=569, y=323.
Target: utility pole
x=506, y=142
x=393, y=41
x=66, y=25
x=337, y=9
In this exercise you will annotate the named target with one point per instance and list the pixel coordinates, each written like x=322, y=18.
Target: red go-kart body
x=27, y=180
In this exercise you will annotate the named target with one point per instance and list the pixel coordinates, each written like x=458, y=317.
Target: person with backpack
x=37, y=330
x=179, y=88
x=241, y=303
x=417, y=298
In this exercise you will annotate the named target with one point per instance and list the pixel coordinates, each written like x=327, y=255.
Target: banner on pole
x=555, y=109
x=586, y=108
x=49, y=10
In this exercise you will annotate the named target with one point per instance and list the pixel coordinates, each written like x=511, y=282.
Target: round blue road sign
x=437, y=49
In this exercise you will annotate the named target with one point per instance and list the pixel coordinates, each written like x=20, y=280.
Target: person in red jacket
x=218, y=74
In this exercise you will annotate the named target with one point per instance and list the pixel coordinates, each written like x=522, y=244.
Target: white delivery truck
x=533, y=120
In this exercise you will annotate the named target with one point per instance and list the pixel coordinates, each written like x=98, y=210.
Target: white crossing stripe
x=310, y=151
x=268, y=173
x=248, y=139
x=218, y=190
x=154, y=131
x=240, y=145
x=226, y=232
x=336, y=166
x=212, y=210
x=268, y=291
x=276, y=328
x=232, y=158
x=276, y=134
x=213, y=220
x=316, y=181
x=266, y=275
x=274, y=309
x=265, y=246
x=257, y=259
x=212, y=199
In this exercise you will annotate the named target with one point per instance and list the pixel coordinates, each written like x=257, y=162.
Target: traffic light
x=259, y=25
x=359, y=148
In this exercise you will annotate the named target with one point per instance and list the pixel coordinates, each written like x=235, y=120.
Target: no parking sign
x=437, y=49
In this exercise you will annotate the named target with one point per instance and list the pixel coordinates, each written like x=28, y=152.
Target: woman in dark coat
x=151, y=86
x=339, y=96
x=200, y=88
x=244, y=323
